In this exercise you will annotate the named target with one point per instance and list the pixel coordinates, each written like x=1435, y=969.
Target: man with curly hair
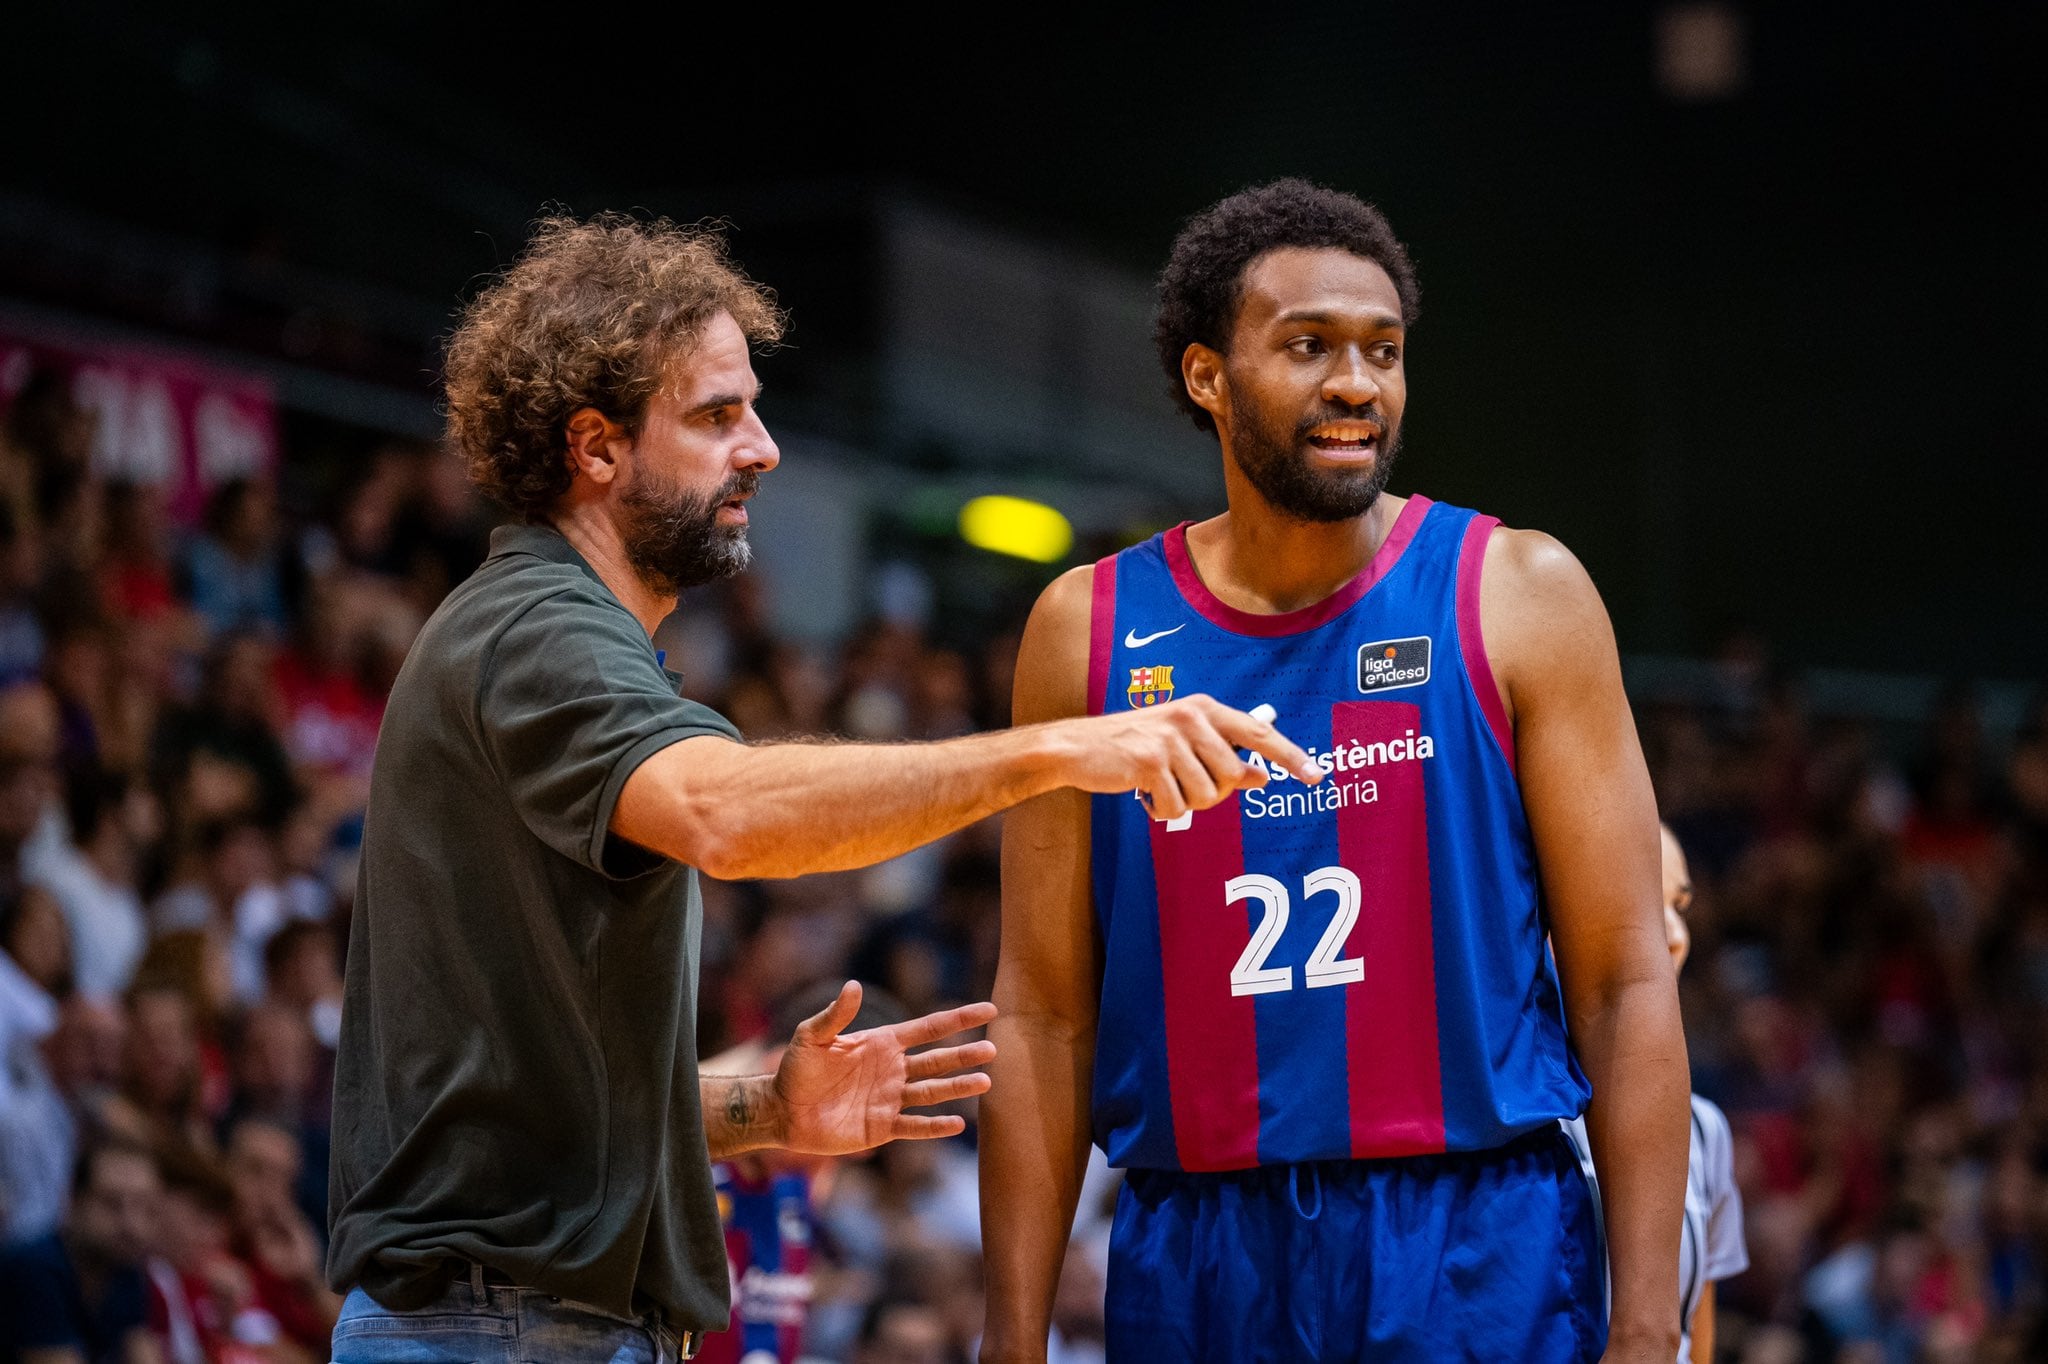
x=522, y=1143
x=1319, y=1026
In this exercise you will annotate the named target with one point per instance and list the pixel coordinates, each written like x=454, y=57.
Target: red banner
x=159, y=417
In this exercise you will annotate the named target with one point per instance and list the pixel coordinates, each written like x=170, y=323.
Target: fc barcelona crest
x=1150, y=686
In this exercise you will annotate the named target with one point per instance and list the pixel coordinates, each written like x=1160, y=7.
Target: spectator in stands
x=232, y=723
x=274, y=1064
x=302, y=965
x=443, y=531
x=21, y=630
x=1080, y=1331
x=892, y=1203
x=330, y=710
x=34, y=936
x=86, y=1055
x=229, y=888
x=28, y=771
x=94, y=876
x=174, y=1080
x=233, y=575
x=77, y=1296
x=303, y=968
x=76, y=669
x=201, y=1287
x=274, y=1237
x=38, y=1138
x=903, y=1331
x=137, y=581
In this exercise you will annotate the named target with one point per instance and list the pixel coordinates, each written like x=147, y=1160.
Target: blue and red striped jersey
x=1351, y=969
x=768, y=1224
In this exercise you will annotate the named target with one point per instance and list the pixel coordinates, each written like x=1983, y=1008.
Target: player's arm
x=1035, y=1121
x=1594, y=820
x=739, y=810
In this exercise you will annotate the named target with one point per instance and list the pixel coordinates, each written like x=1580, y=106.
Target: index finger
x=1256, y=732
x=945, y=1023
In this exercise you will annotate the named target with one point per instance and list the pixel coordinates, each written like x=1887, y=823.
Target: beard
x=673, y=538
x=1274, y=463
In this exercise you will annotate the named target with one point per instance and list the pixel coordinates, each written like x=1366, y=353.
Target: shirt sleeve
x=1727, y=1255
x=571, y=701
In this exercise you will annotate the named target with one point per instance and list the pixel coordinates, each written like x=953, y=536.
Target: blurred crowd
x=187, y=719
x=1869, y=1003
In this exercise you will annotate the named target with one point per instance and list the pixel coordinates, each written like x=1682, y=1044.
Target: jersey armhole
x=1471, y=639
x=1101, y=633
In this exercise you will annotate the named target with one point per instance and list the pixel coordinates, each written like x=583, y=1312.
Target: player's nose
x=1351, y=380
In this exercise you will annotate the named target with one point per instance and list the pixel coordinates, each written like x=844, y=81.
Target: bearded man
x=522, y=1142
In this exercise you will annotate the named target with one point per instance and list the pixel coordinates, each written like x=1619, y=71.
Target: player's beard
x=674, y=540
x=1277, y=464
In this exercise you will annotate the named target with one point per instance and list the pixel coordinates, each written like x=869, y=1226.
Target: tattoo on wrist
x=739, y=1114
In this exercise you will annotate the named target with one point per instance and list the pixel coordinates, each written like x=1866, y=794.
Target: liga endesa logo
x=1391, y=663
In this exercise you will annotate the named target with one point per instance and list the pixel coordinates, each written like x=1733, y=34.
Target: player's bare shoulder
x=1542, y=618
x=1052, y=660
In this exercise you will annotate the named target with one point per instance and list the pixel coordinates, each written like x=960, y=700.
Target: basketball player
x=522, y=1144
x=1319, y=1026
x=1710, y=1248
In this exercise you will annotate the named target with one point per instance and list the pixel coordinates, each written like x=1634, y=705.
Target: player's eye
x=1386, y=352
x=1306, y=345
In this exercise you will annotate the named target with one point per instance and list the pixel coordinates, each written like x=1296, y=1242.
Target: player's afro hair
x=1203, y=283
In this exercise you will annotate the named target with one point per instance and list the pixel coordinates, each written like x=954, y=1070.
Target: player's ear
x=593, y=440
x=1201, y=369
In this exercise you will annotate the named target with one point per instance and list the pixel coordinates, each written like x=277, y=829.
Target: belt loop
x=479, y=1296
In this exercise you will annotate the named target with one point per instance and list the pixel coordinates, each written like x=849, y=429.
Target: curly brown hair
x=589, y=316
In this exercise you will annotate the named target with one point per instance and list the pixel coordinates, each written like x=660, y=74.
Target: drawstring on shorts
x=1295, y=1176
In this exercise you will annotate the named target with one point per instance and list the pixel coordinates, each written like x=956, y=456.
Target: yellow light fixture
x=1017, y=527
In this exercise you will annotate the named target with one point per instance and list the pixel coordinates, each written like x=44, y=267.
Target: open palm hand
x=843, y=1092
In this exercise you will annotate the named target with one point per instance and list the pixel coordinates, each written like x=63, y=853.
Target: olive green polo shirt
x=517, y=1078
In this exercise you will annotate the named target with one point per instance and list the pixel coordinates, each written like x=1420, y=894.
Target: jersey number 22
x=1251, y=975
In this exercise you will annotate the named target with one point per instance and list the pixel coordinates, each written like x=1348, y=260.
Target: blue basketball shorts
x=1488, y=1256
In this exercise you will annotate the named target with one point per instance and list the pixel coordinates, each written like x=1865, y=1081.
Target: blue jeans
x=478, y=1323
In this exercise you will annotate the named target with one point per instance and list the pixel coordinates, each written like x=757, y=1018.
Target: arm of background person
x=1593, y=816
x=737, y=810
x=1702, y=1327
x=1035, y=1121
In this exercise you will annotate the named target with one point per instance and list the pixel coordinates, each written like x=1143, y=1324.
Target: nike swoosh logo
x=1134, y=640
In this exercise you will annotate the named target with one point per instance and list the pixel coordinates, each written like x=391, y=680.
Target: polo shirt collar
x=543, y=542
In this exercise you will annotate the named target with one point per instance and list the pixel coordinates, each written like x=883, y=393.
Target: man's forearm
x=741, y=1113
x=773, y=810
x=1633, y=1050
